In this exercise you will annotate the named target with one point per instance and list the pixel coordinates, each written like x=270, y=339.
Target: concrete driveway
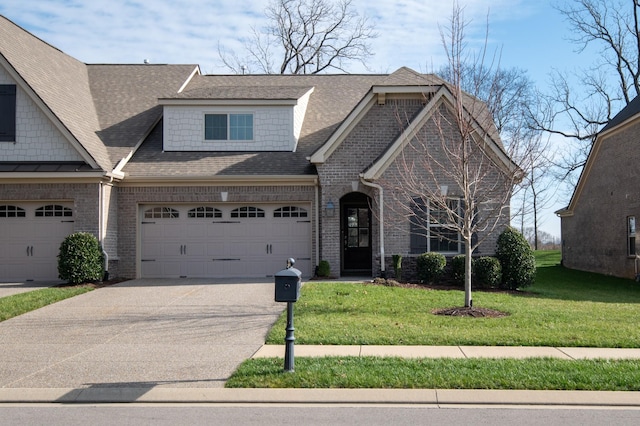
x=141, y=333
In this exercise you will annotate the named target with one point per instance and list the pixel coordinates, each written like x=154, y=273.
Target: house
x=599, y=224
x=180, y=174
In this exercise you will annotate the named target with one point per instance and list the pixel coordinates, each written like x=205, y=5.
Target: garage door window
x=247, y=212
x=12, y=211
x=54, y=210
x=161, y=213
x=290, y=211
x=204, y=212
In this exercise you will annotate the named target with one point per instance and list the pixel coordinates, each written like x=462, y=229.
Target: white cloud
x=186, y=31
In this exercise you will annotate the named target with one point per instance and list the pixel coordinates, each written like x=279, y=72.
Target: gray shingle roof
x=126, y=99
x=107, y=108
x=333, y=97
x=60, y=81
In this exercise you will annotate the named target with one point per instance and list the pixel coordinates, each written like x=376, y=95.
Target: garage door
x=31, y=237
x=223, y=240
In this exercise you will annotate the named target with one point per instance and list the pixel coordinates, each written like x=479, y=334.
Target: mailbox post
x=287, y=283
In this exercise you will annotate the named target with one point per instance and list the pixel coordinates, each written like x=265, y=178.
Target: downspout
x=381, y=222
x=317, y=226
x=101, y=230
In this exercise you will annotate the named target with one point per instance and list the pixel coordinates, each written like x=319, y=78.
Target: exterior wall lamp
x=224, y=196
x=329, y=209
x=444, y=189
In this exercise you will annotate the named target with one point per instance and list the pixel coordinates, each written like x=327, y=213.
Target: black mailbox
x=288, y=284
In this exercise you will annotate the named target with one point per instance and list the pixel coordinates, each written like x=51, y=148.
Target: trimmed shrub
x=80, y=259
x=397, y=266
x=324, y=270
x=487, y=272
x=457, y=268
x=430, y=266
x=516, y=259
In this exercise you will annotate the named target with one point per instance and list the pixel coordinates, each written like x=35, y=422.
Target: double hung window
x=631, y=235
x=432, y=229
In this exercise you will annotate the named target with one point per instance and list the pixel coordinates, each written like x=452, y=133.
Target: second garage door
x=223, y=240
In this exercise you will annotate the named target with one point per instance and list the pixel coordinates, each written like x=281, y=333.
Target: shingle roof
x=126, y=99
x=60, y=81
x=627, y=112
x=332, y=99
x=107, y=108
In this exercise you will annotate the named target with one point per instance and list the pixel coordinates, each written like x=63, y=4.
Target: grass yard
x=563, y=308
x=18, y=304
x=388, y=373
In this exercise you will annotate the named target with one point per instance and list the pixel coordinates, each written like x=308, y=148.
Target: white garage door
x=223, y=240
x=31, y=236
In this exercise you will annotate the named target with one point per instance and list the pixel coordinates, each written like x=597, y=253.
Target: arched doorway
x=355, y=230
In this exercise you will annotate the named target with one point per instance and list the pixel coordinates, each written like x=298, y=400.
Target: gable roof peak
x=405, y=76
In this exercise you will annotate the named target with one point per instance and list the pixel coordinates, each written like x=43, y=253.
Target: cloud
x=186, y=31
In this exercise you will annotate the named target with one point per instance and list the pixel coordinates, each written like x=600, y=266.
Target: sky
x=527, y=34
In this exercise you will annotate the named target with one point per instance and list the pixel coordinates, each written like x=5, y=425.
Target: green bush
x=487, y=272
x=324, y=270
x=397, y=266
x=457, y=268
x=516, y=259
x=80, y=259
x=430, y=266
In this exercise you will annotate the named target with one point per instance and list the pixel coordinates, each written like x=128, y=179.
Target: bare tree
x=305, y=37
x=458, y=178
x=612, y=27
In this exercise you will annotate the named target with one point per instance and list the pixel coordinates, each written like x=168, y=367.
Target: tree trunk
x=468, y=302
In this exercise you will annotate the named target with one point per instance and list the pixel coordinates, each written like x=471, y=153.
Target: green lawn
x=563, y=308
x=18, y=304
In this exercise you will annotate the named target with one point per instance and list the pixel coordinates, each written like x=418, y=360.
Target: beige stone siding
x=595, y=237
x=130, y=197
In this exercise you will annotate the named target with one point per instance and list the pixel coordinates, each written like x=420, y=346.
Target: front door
x=356, y=235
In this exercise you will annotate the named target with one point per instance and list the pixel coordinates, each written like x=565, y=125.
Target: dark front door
x=356, y=234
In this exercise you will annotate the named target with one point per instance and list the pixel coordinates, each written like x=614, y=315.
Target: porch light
x=444, y=189
x=224, y=195
x=330, y=208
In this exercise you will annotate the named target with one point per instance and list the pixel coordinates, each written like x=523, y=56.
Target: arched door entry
x=355, y=230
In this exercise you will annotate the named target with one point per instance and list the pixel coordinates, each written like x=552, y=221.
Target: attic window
x=232, y=127
x=7, y=113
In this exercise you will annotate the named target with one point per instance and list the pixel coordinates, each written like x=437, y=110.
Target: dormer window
x=232, y=127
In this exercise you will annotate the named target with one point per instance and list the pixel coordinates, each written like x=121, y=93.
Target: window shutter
x=7, y=113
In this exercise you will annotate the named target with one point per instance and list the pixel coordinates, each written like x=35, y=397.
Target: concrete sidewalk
x=344, y=397
x=520, y=352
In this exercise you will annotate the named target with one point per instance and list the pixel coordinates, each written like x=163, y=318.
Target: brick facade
x=379, y=128
x=595, y=237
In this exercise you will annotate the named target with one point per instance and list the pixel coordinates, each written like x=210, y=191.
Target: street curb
x=424, y=397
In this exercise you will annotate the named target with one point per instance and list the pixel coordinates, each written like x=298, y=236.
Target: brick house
x=599, y=225
x=180, y=174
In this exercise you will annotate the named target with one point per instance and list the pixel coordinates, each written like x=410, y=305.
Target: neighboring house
x=180, y=174
x=599, y=225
